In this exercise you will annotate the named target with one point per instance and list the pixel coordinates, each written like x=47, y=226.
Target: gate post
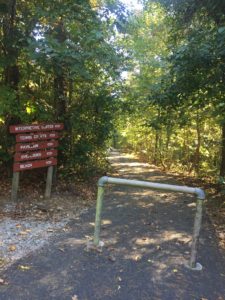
x=195, y=237
x=99, y=203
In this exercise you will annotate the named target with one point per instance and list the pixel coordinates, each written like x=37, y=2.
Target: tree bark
x=197, y=151
x=222, y=164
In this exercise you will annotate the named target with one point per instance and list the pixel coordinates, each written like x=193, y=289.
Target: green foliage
x=58, y=64
x=176, y=87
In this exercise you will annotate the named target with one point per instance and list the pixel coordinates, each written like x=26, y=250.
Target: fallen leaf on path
x=3, y=282
x=2, y=262
x=23, y=233
x=75, y=297
x=137, y=257
x=12, y=248
x=61, y=249
x=175, y=271
x=24, y=268
x=111, y=258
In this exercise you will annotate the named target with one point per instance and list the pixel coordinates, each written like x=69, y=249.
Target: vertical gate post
x=99, y=203
x=195, y=237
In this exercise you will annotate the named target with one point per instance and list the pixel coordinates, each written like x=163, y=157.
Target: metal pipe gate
x=154, y=186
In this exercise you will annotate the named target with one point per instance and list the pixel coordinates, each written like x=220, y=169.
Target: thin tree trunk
x=222, y=164
x=156, y=147
x=197, y=151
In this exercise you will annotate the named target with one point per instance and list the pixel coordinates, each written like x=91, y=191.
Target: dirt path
x=147, y=236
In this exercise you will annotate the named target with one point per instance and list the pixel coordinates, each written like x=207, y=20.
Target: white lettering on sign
x=37, y=127
x=49, y=126
x=33, y=155
x=26, y=137
x=23, y=166
x=23, y=128
x=29, y=146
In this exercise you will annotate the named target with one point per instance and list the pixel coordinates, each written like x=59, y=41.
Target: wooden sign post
x=35, y=148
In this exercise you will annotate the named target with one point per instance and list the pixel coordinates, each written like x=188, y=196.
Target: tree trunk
x=60, y=78
x=11, y=71
x=197, y=151
x=10, y=75
x=155, y=161
x=222, y=164
x=60, y=96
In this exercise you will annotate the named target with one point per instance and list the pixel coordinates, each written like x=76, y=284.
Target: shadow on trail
x=147, y=243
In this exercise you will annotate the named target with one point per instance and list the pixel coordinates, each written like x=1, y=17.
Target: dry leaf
x=175, y=270
x=75, y=297
x=12, y=248
x=23, y=233
x=2, y=261
x=111, y=258
x=3, y=282
x=24, y=268
x=137, y=257
x=61, y=249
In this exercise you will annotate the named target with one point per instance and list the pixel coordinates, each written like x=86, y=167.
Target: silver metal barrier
x=154, y=186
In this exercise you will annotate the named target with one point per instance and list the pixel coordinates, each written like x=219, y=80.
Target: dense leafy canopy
x=59, y=63
x=177, y=86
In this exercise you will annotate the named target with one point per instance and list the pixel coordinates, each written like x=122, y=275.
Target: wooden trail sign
x=35, y=128
x=35, y=148
x=36, y=137
x=35, y=155
x=34, y=164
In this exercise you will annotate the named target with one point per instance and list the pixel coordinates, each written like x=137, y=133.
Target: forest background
x=150, y=80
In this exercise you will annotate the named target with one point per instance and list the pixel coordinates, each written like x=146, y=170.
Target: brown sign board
x=36, y=146
x=35, y=155
x=35, y=128
x=17, y=167
x=36, y=136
